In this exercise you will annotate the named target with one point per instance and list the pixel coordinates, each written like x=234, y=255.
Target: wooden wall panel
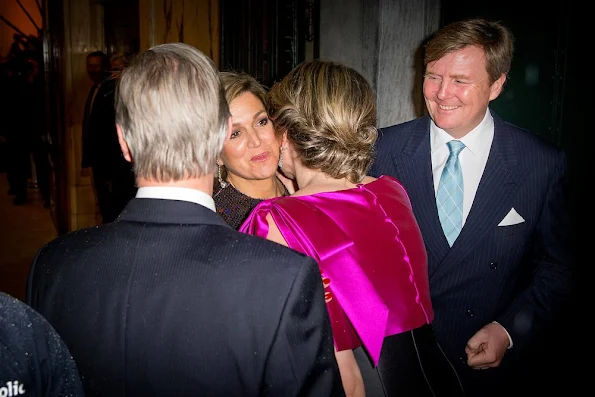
x=381, y=39
x=192, y=22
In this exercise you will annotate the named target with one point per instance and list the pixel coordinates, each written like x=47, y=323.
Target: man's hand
x=486, y=348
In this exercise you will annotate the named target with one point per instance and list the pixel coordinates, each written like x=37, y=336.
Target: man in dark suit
x=112, y=174
x=168, y=300
x=96, y=149
x=98, y=65
x=498, y=243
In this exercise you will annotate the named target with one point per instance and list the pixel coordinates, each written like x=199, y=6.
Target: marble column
x=382, y=40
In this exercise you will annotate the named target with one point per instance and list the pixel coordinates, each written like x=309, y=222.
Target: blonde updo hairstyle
x=328, y=111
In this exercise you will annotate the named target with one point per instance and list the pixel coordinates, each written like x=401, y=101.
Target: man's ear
x=497, y=86
x=123, y=144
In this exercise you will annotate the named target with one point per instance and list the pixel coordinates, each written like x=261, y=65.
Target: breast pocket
x=510, y=230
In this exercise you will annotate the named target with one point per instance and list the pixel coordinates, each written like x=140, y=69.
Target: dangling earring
x=221, y=181
x=280, y=165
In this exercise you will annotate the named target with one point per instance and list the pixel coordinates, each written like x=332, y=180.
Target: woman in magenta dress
x=361, y=231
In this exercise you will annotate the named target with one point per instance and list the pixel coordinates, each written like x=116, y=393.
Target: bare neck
x=315, y=181
x=204, y=183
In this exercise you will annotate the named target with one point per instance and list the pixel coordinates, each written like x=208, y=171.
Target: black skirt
x=411, y=364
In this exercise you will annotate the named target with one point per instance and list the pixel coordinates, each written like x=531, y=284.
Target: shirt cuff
x=509, y=338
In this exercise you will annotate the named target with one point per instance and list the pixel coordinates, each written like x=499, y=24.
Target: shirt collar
x=478, y=140
x=176, y=193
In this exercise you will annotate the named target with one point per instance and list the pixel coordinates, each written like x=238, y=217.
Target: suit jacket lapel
x=493, y=198
x=414, y=167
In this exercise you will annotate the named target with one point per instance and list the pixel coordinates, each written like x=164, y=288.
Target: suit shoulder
x=525, y=139
x=262, y=256
x=530, y=140
x=77, y=238
x=255, y=248
x=391, y=138
x=401, y=130
x=81, y=233
x=404, y=126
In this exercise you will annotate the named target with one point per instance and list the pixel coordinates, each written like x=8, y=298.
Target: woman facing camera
x=248, y=163
x=361, y=230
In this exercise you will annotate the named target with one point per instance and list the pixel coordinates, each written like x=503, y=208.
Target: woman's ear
x=283, y=140
x=123, y=144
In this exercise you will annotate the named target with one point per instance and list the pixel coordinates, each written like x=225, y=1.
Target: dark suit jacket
x=170, y=301
x=517, y=275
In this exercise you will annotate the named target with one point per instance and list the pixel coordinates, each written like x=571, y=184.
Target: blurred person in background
x=112, y=174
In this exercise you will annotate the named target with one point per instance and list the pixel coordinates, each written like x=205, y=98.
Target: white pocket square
x=512, y=218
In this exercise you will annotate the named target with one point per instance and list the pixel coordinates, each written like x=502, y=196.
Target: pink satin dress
x=370, y=253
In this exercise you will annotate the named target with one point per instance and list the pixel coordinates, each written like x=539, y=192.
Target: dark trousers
x=411, y=364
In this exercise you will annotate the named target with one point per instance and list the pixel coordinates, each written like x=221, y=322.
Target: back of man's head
x=172, y=112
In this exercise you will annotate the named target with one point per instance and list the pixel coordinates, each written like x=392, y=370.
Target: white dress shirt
x=177, y=193
x=473, y=157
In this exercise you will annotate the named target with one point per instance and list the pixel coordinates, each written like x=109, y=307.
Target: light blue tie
x=449, y=197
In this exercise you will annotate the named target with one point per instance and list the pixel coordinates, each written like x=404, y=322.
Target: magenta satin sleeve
x=369, y=249
x=256, y=224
